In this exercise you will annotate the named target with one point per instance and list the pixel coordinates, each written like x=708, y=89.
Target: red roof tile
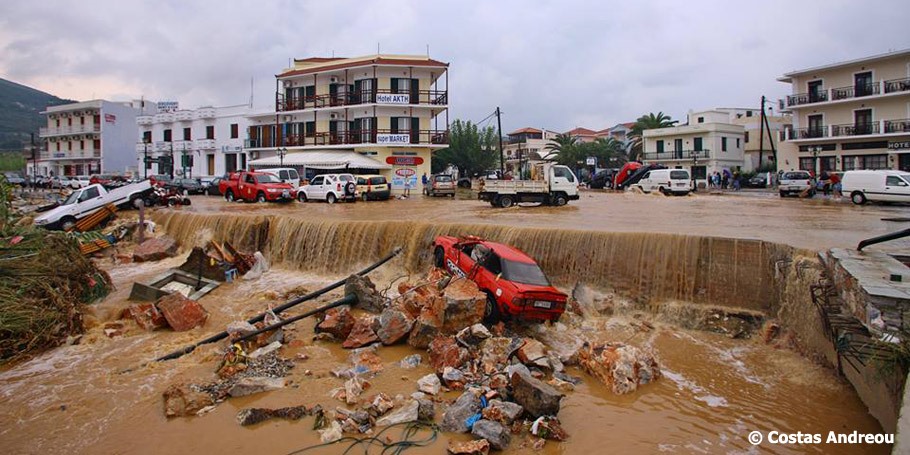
x=526, y=130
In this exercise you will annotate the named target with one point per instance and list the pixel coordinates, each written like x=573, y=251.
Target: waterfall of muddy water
x=643, y=267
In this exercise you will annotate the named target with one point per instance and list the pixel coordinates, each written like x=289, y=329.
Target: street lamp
x=281, y=151
x=815, y=151
x=694, y=155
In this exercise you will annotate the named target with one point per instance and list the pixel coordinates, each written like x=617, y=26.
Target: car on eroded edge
x=515, y=285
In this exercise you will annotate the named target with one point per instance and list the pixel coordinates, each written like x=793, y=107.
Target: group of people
x=725, y=181
x=830, y=184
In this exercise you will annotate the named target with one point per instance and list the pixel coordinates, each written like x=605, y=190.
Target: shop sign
x=404, y=160
x=393, y=139
x=899, y=145
x=393, y=98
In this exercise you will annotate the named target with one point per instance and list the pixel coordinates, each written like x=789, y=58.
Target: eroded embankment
x=649, y=269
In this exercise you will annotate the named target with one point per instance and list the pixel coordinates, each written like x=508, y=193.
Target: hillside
x=19, y=113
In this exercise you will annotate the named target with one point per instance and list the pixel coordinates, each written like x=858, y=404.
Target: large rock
x=429, y=384
x=504, y=412
x=361, y=335
x=367, y=297
x=182, y=401
x=467, y=405
x=427, y=327
x=494, y=432
x=473, y=335
x=475, y=447
x=496, y=351
x=155, y=249
x=536, y=397
x=445, y=352
x=408, y=412
x=464, y=305
x=257, y=384
x=394, y=324
x=620, y=366
x=182, y=314
x=252, y=416
x=147, y=316
x=338, y=322
x=533, y=353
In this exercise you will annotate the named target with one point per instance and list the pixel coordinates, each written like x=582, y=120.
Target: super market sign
x=387, y=139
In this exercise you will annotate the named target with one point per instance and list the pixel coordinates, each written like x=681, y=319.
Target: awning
x=323, y=159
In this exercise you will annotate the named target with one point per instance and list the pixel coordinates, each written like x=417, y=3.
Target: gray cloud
x=554, y=64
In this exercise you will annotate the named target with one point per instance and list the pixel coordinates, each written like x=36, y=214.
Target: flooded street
x=100, y=396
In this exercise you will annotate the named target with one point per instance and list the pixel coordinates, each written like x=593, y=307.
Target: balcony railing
x=204, y=144
x=377, y=136
x=807, y=98
x=809, y=133
x=897, y=126
x=897, y=85
x=378, y=96
x=678, y=155
x=855, y=91
x=854, y=129
x=183, y=116
x=145, y=119
x=70, y=155
x=75, y=129
x=205, y=112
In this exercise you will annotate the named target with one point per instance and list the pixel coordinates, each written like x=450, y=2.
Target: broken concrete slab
x=181, y=313
x=535, y=396
x=464, y=305
x=494, y=432
x=380, y=404
x=426, y=410
x=155, y=249
x=147, y=316
x=427, y=326
x=496, y=351
x=533, y=353
x=256, y=384
x=411, y=361
x=267, y=349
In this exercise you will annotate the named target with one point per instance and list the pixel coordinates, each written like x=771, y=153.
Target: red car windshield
x=267, y=178
x=523, y=272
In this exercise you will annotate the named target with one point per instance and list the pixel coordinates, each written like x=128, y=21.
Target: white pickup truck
x=84, y=201
x=551, y=184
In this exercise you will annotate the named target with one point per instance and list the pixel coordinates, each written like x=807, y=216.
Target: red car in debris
x=256, y=186
x=514, y=284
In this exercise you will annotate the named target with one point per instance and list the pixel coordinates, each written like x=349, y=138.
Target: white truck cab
x=82, y=202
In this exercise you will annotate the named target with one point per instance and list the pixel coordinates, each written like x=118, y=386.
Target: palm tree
x=562, y=149
x=646, y=122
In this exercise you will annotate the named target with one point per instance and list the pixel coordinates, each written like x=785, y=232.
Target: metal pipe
x=883, y=238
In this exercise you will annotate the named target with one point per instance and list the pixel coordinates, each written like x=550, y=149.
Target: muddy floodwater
x=101, y=396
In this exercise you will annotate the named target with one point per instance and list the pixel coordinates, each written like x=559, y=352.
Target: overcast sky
x=555, y=65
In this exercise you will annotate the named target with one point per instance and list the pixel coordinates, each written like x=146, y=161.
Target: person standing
x=424, y=180
x=407, y=187
x=834, y=179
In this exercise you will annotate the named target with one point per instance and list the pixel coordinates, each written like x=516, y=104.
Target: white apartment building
x=708, y=143
x=850, y=115
x=89, y=137
x=526, y=147
x=207, y=141
x=758, y=143
x=381, y=114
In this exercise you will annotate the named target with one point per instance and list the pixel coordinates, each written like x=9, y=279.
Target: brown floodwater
x=715, y=390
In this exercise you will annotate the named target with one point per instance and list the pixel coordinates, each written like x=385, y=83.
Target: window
x=894, y=180
x=167, y=135
x=679, y=175
x=747, y=137
x=748, y=113
x=849, y=162
x=235, y=133
x=82, y=120
x=562, y=171
x=816, y=93
x=249, y=179
x=58, y=146
x=827, y=163
x=523, y=272
x=660, y=147
x=723, y=144
x=89, y=193
x=875, y=162
x=816, y=126
x=81, y=145
x=146, y=136
x=310, y=129
x=737, y=142
x=317, y=180
x=697, y=144
x=187, y=134
x=701, y=120
x=210, y=132
x=807, y=164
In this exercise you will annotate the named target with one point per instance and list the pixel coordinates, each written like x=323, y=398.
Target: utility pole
x=761, y=132
x=34, y=162
x=502, y=165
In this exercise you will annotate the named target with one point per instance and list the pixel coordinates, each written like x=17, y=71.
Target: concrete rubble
x=475, y=447
x=494, y=432
x=181, y=313
x=252, y=416
x=253, y=385
x=620, y=366
x=155, y=249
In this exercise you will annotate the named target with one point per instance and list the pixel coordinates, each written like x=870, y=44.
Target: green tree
x=563, y=149
x=646, y=122
x=471, y=149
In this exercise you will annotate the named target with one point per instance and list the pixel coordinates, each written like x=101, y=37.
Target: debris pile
x=622, y=367
x=171, y=310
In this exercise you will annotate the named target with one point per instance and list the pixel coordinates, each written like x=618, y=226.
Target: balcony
x=809, y=133
x=897, y=126
x=75, y=129
x=183, y=116
x=854, y=129
x=164, y=117
x=807, y=98
x=678, y=155
x=180, y=146
x=377, y=137
x=897, y=85
x=377, y=96
x=162, y=146
x=145, y=119
x=855, y=91
x=70, y=155
x=205, y=144
x=205, y=113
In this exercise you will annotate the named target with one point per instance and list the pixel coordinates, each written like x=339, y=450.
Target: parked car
x=876, y=186
x=440, y=184
x=464, y=182
x=213, y=189
x=515, y=285
x=602, y=179
x=104, y=179
x=160, y=180
x=373, y=187
x=795, y=182
x=666, y=181
x=14, y=178
x=84, y=201
x=286, y=175
x=759, y=180
x=329, y=188
x=619, y=179
x=80, y=181
x=60, y=182
x=186, y=186
x=256, y=186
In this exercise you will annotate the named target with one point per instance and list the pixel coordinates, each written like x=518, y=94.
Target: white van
x=884, y=186
x=667, y=181
x=286, y=175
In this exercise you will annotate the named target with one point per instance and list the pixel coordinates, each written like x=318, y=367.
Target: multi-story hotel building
x=89, y=137
x=707, y=143
x=525, y=147
x=191, y=142
x=850, y=115
x=379, y=113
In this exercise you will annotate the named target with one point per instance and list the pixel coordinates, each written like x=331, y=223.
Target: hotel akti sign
x=393, y=98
